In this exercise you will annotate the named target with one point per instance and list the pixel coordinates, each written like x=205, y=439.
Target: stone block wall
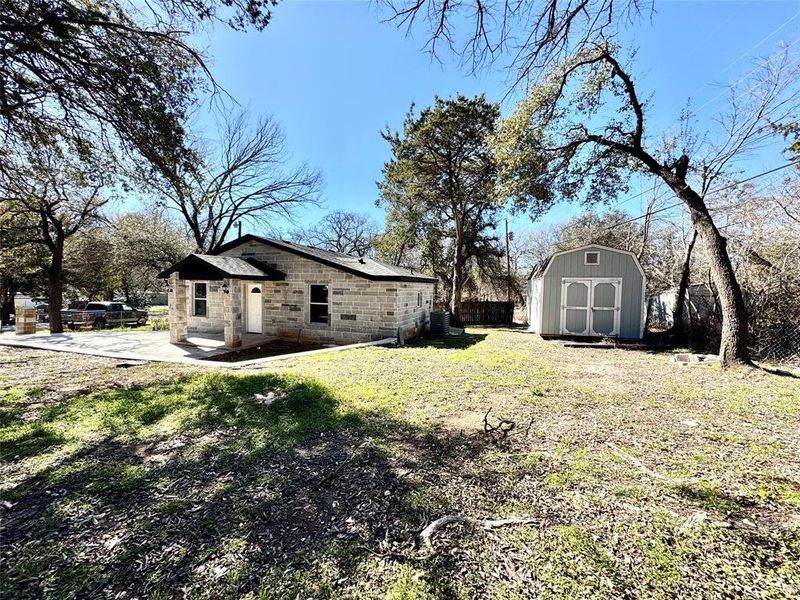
x=25, y=320
x=213, y=321
x=176, y=299
x=359, y=309
x=414, y=302
x=232, y=305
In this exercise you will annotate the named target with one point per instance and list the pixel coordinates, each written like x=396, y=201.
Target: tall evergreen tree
x=440, y=190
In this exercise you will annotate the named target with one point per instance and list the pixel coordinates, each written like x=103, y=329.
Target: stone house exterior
x=254, y=289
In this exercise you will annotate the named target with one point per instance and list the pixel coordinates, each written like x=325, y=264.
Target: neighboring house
x=592, y=291
x=257, y=288
x=700, y=303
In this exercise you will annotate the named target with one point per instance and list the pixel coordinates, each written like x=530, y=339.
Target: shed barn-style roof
x=363, y=266
x=541, y=267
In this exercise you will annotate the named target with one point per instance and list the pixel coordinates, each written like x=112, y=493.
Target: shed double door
x=591, y=306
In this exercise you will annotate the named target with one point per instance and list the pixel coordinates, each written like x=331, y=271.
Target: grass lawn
x=312, y=478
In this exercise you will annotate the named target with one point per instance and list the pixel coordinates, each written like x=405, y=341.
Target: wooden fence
x=484, y=313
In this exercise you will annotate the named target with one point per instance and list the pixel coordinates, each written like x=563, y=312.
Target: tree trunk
x=8, y=289
x=733, y=345
x=678, y=329
x=55, y=288
x=455, y=293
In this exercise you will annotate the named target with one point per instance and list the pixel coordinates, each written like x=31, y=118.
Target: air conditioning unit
x=440, y=323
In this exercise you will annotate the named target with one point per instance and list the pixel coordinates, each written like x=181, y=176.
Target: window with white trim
x=591, y=258
x=199, y=299
x=318, y=304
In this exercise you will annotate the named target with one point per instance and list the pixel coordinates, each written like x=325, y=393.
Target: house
x=593, y=291
x=700, y=305
x=255, y=288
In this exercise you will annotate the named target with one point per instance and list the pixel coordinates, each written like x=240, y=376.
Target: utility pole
x=508, y=263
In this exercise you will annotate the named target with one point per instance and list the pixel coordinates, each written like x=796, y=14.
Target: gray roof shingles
x=233, y=266
x=363, y=266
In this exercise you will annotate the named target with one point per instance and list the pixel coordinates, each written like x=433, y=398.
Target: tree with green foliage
x=122, y=257
x=145, y=243
x=91, y=81
x=48, y=200
x=791, y=131
x=594, y=163
x=107, y=75
x=440, y=191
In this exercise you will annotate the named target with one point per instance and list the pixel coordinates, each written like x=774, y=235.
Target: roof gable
x=205, y=266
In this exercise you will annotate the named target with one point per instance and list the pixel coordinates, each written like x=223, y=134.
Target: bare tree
x=533, y=32
x=340, y=231
x=243, y=177
x=49, y=200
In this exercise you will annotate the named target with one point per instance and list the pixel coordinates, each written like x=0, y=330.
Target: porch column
x=232, y=313
x=178, y=310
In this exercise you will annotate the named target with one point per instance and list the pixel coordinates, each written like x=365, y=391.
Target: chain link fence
x=778, y=343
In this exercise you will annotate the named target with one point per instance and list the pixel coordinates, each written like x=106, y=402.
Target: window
x=591, y=258
x=95, y=306
x=318, y=304
x=200, y=304
x=419, y=298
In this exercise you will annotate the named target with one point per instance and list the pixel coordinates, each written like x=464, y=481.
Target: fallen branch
x=636, y=462
x=504, y=427
x=497, y=523
x=424, y=538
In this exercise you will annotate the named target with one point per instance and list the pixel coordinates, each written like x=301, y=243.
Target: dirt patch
x=273, y=348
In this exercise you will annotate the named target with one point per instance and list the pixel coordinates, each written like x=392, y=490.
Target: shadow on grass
x=455, y=342
x=219, y=485
x=32, y=439
x=711, y=497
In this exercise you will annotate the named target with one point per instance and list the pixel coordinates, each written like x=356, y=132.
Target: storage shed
x=592, y=291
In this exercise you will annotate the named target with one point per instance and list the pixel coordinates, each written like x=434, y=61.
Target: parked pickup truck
x=103, y=314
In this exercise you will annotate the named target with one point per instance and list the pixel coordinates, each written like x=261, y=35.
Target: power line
x=748, y=90
x=740, y=57
x=696, y=111
x=716, y=191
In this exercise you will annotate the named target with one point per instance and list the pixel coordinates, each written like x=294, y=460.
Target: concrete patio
x=152, y=346
x=135, y=345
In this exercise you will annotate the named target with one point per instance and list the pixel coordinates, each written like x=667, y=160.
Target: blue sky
x=334, y=76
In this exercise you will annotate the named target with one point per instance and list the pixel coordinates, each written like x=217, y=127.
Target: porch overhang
x=215, y=268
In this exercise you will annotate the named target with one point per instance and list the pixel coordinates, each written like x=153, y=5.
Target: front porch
x=213, y=344
x=217, y=300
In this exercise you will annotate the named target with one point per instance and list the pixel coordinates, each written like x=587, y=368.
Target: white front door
x=590, y=306
x=254, y=308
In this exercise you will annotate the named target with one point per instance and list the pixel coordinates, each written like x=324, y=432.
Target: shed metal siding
x=534, y=304
x=612, y=264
